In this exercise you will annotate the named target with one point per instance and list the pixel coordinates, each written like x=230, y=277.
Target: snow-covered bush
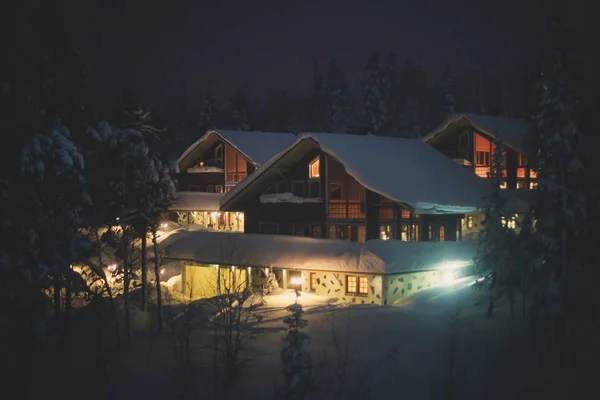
x=297, y=362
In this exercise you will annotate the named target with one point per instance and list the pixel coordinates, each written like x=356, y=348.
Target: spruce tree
x=317, y=101
x=208, y=114
x=238, y=111
x=393, y=101
x=448, y=92
x=338, y=100
x=375, y=94
x=495, y=240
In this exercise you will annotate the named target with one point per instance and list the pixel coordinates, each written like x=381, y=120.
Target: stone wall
x=333, y=284
x=398, y=286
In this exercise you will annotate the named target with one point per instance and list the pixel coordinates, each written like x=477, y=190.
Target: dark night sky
x=161, y=49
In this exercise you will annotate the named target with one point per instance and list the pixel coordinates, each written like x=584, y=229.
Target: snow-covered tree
x=338, y=100
x=375, y=94
x=295, y=356
x=495, y=240
x=560, y=207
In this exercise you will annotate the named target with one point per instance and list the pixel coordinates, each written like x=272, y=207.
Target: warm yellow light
x=202, y=163
x=296, y=281
x=118, y=218
x=112, y=267
x=164, y=225
x=162, y=271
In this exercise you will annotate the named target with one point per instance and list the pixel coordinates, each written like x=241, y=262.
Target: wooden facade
x=475, y=150
x=329, y=203
x=216, y=168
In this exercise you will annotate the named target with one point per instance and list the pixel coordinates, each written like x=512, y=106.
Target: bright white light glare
x=296, y=281
x=164, y=225
x=118, y=218
x=448, y=278
x=162, y=271
x=112, y=267
x=454, y=264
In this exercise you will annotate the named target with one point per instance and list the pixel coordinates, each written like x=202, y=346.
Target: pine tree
x=412, y=90
x=317, y=107
x=448, y=92
x=390, y=70
x=375, y=94
x=338, y=100
x=297, y=362
x=495, y=240
x=238, y=112
x=560, y=207
x=208, y=114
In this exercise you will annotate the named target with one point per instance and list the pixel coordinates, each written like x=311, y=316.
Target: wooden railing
x=346, y=210
x=234, y=176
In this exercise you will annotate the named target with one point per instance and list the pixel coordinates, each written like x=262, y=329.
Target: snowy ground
x=400, y=351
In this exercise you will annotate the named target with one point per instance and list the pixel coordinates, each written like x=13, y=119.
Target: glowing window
x=351, y=284
x=357, y=284
x=405, y=214
x=313, y=282
x=442, y=233
x=482, y=158
x=313, y=168
x=469, y=221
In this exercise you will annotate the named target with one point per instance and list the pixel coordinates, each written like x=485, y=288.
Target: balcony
x=346, y=210
x=235, y=176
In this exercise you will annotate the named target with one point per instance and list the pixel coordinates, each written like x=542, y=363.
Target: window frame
x=220, y=156
x=303, y=186
x=311, y=174
x=302, y=229
x=309, y=186
x=218, y=188
x=339, y=187
x=357, y=285
x=469, y=223
x=210, y=189
x=312, y=282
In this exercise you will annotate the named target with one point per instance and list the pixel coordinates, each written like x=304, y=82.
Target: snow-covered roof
x=514, y=132
x=404, y=170
x=196, y=201
x=303, y=253
x=257, y=146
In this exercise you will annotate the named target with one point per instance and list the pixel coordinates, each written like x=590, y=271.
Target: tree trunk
x=68, y=299
x=524, y=296
x=157, y=274
x=490, y=309
x=126, y=288
x=144, y=293
x=109, y=292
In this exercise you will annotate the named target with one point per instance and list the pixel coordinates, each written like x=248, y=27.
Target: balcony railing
x=234, y=176
x=346, y=210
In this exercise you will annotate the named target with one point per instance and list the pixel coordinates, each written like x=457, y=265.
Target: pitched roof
x=404, y=170
x=514, y=132
x=257, y=146
x=196, y=201
x=304, y=253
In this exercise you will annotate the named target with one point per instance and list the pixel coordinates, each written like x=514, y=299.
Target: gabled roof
x=404, y=170
x=304, y=253
x=256, y=146
x=515, y=133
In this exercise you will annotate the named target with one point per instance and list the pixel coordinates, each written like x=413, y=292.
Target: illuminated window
x=313, y=168
x=442, y=233
x=351, y=284
x=483, y=172
x=469, y=221
x=405, y=214
x=219, y=188
x=357, y=284
x=533, y=173
x=410, y=233
x=520, y=172
x=512, y=223
x=482, y=158
x=313, y=282
x=503, y=185
x=521, y=185
x=522, y=160
x=533, y=185
x=386, y=232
